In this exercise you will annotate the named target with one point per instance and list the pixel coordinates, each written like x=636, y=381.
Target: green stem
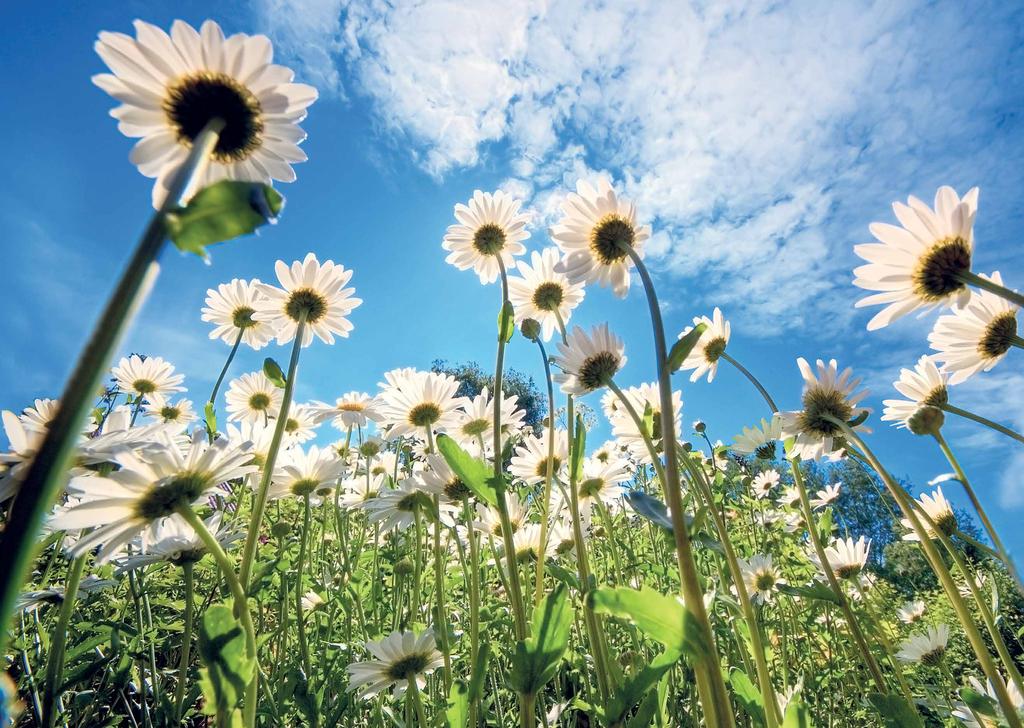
x=1004, y=555
x=826, y=567
x=224, y=369
x=753, y=380
x=983, y=420
x=45, y=476
x=714, y=695
x=474, y=598
x=538, y=590
x=58, y=643
x=973, y=279
x=903, y=500
x=300, y=622
x=187, y=568
x=227, y=570
x=260, y=502
x=417, y=703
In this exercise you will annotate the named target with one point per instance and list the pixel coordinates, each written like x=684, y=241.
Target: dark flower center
x=936, y=273
x=937, y=397
x=162, y=499
x=305, y=486
x=242, y=317
x=194, y=100
x=424, y=414
x=597, y=370
x=998, y=336
x=609, y=239
x=847, y=571
x=259, y=401
x=765, y=581
x=474, y=428
x=143, y=386
x=542, y=466
x=765, y=451
x=306, y=300
x=547, y=296
x=456, y=490
x=591, y=487
x=170, y=413
x=714, y=349
x=933, y=657
x=489, y=239
x=819, y=403
x=407, y=668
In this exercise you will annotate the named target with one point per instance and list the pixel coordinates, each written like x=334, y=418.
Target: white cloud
x=760, y=137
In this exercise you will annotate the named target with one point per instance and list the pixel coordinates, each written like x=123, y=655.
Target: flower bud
x=530, y=328
x=927, y=420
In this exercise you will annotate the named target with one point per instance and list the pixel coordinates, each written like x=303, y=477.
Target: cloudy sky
x=758, y=138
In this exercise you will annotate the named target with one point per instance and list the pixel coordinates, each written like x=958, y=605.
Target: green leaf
x=579, y=446
x=475, y=474
x=978, y=702
x=648, y=419
x=816, y=590
x=227, y=668
x=682, y=348
x=825, y=525
x=859, y=419
x=661, y=617
x=635, y=687
x=536, y=659
x=506, y=322
x=896, y=712
x=645, y=713
x=797, y=716
x=222, y=211
x=650, y=508
x=747, y=695
x=476, y=680
x=273, y=372
x=210, y=417
x=458, y=705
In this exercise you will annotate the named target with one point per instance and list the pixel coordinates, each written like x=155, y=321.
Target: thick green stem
x=227, y=570
x=973, y=279
x=260, y=502
x=753, y=380
x=187, y=569
x=58, y=642
x=983, y=421
x=903, y=500
x=715, y=697
x=44, y=477
x=300, y=567
x=1004, y=555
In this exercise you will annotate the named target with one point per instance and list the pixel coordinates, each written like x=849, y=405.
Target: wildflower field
x=456, y=548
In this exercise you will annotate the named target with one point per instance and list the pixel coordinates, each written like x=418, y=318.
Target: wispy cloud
x=760, y=137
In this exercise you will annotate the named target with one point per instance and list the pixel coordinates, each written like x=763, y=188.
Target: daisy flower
x=918, y=265
x=412, y=401
x=764, y=483
x=827, y=393
x=396, y=508
x=311, y=601
x=23, y=445
x=976, y=336
x=359, y=489
x=759, y=441
x=826, y=495
x=928, y=648
x=301, y=424
x=440, y=480
x=703, y=358
x=542, y=293
x=38, y=417
x=760, y=577
x=131, y=501
x=847, y=557
x=476, y=420
x=644, y=397
x=530, y=461
x=609, y=450
x=588, y=362
x=299, y=473
x=491, y=225
x=350, y=411
x=527, y=545
x=398, y=660
x=924, y=386
x=489, y=519
x=939, y=510
x=178, y=413
x=911, y=612
x=171, y=85
x=602, y=481
x=230, y=308
x=969, y=717
x=176, y=542
x=253, y=398
x=312, y=292
x=148, y=377
x=595, y=229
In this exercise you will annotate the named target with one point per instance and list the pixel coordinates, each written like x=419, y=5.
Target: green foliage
x=273, y=372
x=224, y=210
x=682, y=348
x=895, y=711
x=536, y=659
x=472, y=380
x=661, y=617
x=227, y=668
x=475, y=474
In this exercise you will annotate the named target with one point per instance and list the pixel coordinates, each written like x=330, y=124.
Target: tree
x=473, y=379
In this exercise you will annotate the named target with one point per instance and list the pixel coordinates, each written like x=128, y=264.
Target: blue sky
x=759, y=139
